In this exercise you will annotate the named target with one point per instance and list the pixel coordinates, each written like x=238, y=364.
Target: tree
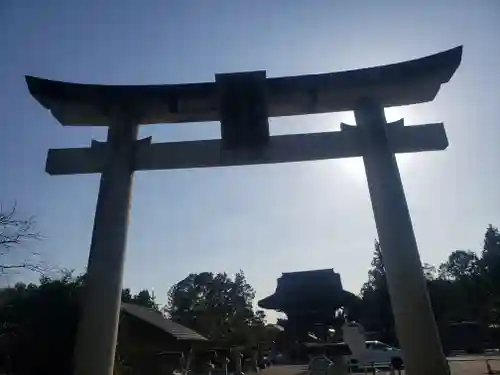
x=490, y=261
x=376, y=275
x=39, y=326
x=377, y=311
x=13, y=233
x=460, y=265
x=143, y=298
x=430, y=271
x=490, y=268
x=467, y=288
x=217, y=306
x=39, y=323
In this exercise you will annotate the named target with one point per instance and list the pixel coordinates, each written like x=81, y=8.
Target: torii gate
x=242, y=102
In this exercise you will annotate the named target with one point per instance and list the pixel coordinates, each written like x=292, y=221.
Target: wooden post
x=415, y=324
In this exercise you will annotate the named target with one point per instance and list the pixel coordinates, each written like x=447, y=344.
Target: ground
x=463, y=365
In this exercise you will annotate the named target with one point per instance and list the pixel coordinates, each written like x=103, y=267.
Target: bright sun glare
x=354, y=166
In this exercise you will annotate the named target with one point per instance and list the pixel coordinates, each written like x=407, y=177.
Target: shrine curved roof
x=306, y=289
x=404, y=83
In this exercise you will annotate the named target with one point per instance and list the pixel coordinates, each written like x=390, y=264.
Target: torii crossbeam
x=243, y=102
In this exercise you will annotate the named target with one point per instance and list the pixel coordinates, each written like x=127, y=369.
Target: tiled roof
x=158, y=320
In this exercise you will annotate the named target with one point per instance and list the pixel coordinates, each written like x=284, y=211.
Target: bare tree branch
x=25, y=265
x=13, y=233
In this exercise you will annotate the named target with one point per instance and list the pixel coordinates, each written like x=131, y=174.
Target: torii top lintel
x=405, y=83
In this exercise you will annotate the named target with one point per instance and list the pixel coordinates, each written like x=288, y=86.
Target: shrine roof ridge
x=404, y=83
x=309, y=272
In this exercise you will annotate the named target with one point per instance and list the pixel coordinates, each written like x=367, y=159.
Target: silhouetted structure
x=243, y=102
x=310, y=299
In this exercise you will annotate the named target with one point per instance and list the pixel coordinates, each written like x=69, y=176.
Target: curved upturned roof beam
x=409, y=82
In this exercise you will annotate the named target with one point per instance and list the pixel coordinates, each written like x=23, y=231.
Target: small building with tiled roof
x=157, y=319
x=148, y=341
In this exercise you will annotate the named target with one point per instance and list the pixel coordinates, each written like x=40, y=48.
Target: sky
x=267, y=219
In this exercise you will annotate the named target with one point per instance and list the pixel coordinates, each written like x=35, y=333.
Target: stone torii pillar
x=98, y=325
x=243, y=102
x=416, y=327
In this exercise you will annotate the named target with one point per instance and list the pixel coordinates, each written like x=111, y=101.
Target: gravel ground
x=477, y=366
x=466, y=366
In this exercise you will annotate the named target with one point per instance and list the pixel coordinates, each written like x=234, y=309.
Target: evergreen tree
x=217, y=306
